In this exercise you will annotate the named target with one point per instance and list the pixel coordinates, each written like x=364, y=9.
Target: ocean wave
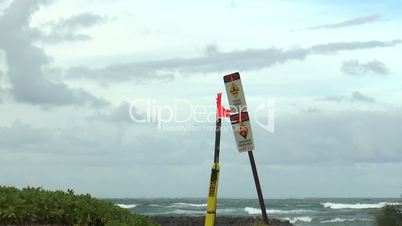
x=127, y=206
x=357, y=205
x=299, y=219
x=251, y=210
x=183, y=204
x=155, y=205
x=186, y=212
x=340, y=220
x=228, y=210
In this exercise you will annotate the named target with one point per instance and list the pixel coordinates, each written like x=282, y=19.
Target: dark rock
x=220, y=221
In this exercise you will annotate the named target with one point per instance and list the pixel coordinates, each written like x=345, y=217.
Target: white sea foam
x=127, y=206
x=185, y=212
x=336, y=220
x=299, y=219
x=183, y=204
x=227, y=210
x=251, y=210
x=357, y=205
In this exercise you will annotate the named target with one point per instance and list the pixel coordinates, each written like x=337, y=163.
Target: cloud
x=1, y=86
x=331, y=48
x=311, y=110
x=214, y=61
x=333, y=140
x=348, y=23
x=120, y=114
x=334, y=98
x=26, y=63
x=355, y=68
x=66, y=29
x=354, y=97
x=21, y=135
x=351, y=136
x=344, y=136
x=103, y=144
x=357, y=96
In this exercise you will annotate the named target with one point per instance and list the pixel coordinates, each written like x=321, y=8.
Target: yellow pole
x=213, y=182
x=212, y=196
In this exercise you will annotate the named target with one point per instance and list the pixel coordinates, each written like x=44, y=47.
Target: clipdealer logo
x=267, y=109
x=183, y=111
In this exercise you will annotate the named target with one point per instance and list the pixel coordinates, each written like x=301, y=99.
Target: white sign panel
x=235, y=93
x=242, y=132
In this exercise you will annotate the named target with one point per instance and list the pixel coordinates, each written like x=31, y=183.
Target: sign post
x=210, y=217
x=258, y=187
x=242, y=129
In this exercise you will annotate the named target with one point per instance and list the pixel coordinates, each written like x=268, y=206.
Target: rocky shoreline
x=197, y=221
x=220, y=221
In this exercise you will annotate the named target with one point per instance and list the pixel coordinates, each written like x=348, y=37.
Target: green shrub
x=259, y=223
x=389, y=216
x=39, y=206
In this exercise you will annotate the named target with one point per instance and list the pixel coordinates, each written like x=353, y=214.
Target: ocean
x=309, y=211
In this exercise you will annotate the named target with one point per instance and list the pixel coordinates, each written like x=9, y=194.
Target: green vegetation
x=39, y=206
x=259, y=223
x=389, y=216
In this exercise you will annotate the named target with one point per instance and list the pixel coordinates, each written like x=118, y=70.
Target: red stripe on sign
x=231, y=77
x=241, y=117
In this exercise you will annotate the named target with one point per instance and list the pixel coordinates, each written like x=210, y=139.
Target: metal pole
x=210, y=217
x=258, y=187
x=217, y=139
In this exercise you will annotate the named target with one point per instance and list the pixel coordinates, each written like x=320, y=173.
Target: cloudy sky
x=329, y=73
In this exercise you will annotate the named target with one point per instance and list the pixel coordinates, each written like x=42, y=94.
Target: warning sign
x=234, y=89
x=242, y=131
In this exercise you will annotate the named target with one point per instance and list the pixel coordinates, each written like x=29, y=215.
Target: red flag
x=221, y=112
